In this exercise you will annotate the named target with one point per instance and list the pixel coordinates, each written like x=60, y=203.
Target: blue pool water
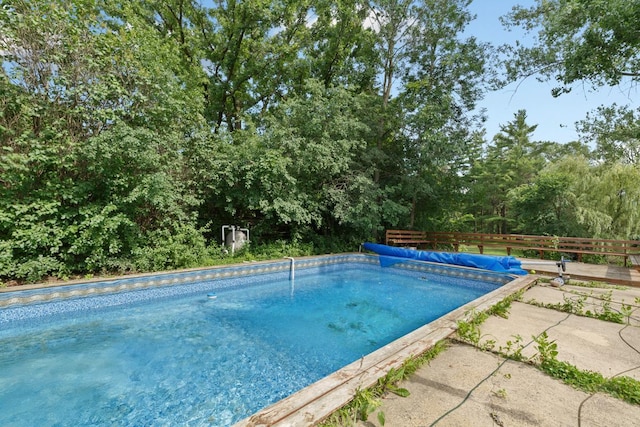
x=186, y=359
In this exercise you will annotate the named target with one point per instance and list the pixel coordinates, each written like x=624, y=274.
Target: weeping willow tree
x=575, y=197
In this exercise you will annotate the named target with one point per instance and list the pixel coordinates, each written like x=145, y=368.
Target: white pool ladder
x=292, y=270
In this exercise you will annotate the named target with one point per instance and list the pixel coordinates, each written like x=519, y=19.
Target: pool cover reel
x=390, y=255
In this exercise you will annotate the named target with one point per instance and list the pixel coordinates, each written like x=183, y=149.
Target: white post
x=233, y=239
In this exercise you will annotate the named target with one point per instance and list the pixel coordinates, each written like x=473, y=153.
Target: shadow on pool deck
x=466, y=386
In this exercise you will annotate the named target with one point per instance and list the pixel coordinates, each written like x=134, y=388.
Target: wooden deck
x=582, y=271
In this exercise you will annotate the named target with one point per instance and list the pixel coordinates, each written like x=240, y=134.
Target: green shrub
x=35, y=269
x=167, y=249
x=594, y=259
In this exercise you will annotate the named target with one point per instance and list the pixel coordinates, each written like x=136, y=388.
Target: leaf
x=402, y=392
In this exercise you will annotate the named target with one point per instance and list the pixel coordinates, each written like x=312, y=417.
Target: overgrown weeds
x=621, y=387
x=367, y=401
x=597, y=284
x=575, y=304
x=546, y=358
x=469, y=330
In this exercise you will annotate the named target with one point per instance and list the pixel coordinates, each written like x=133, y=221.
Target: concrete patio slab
x=604, y=410
x=466, y=386
x=589, y=344
x=515, y=394
x=595, y=345
x=593, y=299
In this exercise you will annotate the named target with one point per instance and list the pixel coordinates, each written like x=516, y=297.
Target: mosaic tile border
x=95, y=288
x=458, y=272
x=46, y=294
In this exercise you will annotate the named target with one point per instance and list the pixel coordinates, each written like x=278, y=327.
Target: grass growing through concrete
x=621, y=387
x=367, y=401
x=575, y=304
x=596, y=284
x=469, y=330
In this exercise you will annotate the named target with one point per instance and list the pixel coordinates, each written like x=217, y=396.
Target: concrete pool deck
x=467, y=386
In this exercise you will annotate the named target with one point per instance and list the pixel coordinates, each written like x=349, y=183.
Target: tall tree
x=251, y=53
x=578, y=40
x=572, y=196
x=510, y=161
x=303, y=175
x=546, y=206
x=80, y=84
x=445, y=78
x=338, y=49
x=604, y=198
x=391, y=21
x=615, y=132
x=438, y=75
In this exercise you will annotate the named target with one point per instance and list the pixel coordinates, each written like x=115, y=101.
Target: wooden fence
x=628, y=250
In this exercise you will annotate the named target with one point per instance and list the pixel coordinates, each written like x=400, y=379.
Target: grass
x=487, y=251
x=367, y=401
x=621, y=387
x=496, y=251
x=597, y=284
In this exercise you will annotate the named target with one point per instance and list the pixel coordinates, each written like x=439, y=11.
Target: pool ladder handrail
x=292, y=269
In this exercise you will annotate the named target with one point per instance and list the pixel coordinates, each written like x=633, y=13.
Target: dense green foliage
x=130, y=132
x=577, y=41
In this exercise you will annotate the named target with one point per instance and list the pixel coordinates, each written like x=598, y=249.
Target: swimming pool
x=159, y=350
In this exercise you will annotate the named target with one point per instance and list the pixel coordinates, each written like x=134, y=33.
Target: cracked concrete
x=466, y=386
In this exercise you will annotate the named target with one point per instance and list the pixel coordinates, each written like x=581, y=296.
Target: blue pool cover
x=390, y=254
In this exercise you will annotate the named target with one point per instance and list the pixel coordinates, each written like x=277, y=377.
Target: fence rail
x=628, y=250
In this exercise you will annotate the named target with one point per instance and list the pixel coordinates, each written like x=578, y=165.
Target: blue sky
x=555, y=117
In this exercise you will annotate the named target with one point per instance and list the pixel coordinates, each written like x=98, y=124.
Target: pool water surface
x=212, y=356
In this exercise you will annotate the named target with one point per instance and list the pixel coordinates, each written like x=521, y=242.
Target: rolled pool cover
x=503, y=264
